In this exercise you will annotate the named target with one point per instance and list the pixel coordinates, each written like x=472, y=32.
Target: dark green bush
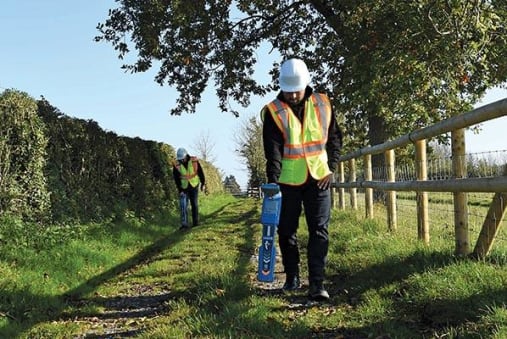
x=23, y=141
x=62, y=169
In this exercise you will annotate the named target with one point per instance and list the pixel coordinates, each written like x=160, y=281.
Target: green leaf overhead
x=387, y=65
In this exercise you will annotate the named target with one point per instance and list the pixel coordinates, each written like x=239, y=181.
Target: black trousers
x=192, y=196
x=317, y=207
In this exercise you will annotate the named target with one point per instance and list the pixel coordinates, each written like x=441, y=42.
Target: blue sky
x=48, y=49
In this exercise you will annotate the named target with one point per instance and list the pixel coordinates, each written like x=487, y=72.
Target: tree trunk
x=377, y=135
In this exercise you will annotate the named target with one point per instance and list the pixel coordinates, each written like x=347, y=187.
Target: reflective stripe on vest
x=304, y=144
x=188, y=175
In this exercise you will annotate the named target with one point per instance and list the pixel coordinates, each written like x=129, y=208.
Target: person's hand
x=270, y=191
x=325, y=182
x=182, y=193
x=203, y=188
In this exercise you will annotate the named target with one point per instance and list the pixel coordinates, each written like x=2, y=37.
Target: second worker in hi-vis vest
x=188, y=175
x=302, y=142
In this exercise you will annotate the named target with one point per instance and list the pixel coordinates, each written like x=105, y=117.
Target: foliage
x=82, y=163
x=231, y=185
x=389, y=66
x=144, y=176
x=23, y=189
x=16, y=234
x=249, y=146
x=96, y=175
x=57, y=168
x=213, y=177
x=478, y=165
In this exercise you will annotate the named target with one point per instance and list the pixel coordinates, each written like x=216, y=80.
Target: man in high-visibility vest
x=302, y=142
x=188, y=174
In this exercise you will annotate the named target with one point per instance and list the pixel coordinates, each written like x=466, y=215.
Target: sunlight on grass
x=154, y=281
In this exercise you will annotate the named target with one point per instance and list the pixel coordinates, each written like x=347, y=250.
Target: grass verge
x=149, y=280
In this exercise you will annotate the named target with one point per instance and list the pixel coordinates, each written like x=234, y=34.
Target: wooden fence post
x=391, y=195
x=459, y=169
x=491, y=224
x=352, y=178
x=368, y=194
x=333, y=190
x=422, y=197
x=341, y=190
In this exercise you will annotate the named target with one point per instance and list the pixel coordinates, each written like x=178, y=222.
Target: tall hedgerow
x=23, y=189
x=94, y=174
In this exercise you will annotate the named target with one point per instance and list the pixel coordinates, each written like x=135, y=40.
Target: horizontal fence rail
x=455, y=181
x=498, y=184
x=491, y=111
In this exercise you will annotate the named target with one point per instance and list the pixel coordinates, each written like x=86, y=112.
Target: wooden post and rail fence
x=459, y=184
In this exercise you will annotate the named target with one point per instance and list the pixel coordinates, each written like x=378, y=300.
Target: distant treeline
x=54, y=168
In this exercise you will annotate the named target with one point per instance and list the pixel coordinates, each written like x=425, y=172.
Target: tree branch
x=328, y=13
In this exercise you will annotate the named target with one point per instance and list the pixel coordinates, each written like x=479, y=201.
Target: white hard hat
x=294, y=75
x=181, y=153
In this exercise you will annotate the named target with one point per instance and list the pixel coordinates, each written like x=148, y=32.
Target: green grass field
x=145, y=279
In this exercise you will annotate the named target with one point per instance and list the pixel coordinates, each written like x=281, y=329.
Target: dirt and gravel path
x=135, y=306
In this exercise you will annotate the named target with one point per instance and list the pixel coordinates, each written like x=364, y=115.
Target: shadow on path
x=17, y=326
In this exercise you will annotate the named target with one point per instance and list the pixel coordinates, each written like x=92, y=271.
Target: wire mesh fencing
x=441, y=207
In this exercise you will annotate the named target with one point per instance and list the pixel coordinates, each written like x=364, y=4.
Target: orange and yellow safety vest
x=304, y=148
x=188, y=174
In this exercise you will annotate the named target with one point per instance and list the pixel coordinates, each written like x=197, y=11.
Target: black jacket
x=273, y=139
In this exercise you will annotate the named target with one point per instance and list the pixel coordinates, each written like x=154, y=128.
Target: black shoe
x=317, y=291
x=184, y=228
x=292, y=283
